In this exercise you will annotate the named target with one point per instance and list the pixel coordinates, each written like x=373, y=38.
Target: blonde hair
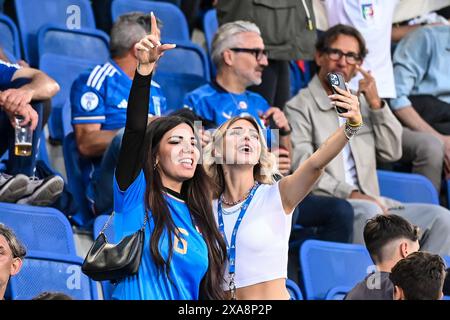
x=263, y=172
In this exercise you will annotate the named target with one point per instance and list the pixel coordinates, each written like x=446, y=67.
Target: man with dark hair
x=12, y=253
x=99, y=100
x=352, y=174
x=420, y=276
x=388, y=240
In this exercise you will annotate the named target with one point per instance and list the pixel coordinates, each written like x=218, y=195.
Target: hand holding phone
x=337, y=79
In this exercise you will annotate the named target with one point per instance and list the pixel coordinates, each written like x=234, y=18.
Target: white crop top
x=262, y=241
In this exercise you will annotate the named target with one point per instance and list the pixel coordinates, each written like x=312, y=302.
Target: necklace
x=233, y=203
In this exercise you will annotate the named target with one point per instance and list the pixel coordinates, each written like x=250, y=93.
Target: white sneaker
x=43, y=192
x=12, y=188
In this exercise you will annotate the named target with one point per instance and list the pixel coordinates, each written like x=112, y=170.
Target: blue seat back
x=447, y=261
x=76, y=185
x=39, y=228
x=407, y=187
x=176, y=86
x=210, y=26
x=325, y=265
x=67, y=118
x=294, y=290
x=87, y=43
x=9, y=39
x=99, y=223
x=65, y=70
x=174, y=22
x=186, y=58
x=52, y=272
x=32, y=15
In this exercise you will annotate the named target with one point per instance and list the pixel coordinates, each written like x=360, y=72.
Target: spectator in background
x=20, y=90
x=388, y=239
x=422, y=80
x=352, y=175
x=288, y=32
x=12, y=253
x=420, y=276
x=324, y=218
x=373, y=18
x=99, y=99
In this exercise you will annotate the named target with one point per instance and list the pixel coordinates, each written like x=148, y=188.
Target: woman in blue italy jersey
x=254, y=213
x=158, y=173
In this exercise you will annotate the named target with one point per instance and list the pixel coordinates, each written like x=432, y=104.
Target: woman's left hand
x=348, y=101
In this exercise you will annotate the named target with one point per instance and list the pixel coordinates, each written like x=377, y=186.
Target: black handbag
x=106, y=261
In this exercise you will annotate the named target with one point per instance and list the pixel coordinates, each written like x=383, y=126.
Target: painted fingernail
x=152, y=14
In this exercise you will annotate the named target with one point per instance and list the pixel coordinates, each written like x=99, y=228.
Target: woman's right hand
x=345, y=99
x=149, y=49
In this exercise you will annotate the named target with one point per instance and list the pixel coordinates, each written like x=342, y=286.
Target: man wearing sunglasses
x=352, y=175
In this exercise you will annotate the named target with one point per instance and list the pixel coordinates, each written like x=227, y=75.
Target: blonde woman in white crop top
x=249, y=203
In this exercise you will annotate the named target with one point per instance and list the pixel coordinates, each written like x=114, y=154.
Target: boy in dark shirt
x=388, y=238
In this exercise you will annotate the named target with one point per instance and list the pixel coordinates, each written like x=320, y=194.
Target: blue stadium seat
x=176, y=86
x=39, y=228
x=10, y=56
x=64, y=69
x=186, y=58
x=72, y=160
x=407, y=187
x=326, y=265
x=32, y=15
x=338, y=293
x=174, y=22
x=9, y=39
x=52, y=272
x=210, y=26
x=87, y=43
x=294, y=290
x=99, y=222
x=67, y=118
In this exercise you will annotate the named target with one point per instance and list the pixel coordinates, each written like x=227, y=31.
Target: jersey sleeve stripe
x=99, y=75
x=107, y=73
x=92, y=75
x=90, y=118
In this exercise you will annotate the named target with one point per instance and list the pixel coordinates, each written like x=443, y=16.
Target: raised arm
x=295, y=187
x=131, y=156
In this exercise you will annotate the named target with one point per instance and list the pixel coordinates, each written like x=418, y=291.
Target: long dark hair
x=198, y=196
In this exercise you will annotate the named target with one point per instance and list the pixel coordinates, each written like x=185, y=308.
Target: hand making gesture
x=368, y=87
x=149, y=49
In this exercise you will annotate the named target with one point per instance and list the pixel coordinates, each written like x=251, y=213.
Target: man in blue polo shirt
x=239, y=56
x=20, y=88
x=99, y=99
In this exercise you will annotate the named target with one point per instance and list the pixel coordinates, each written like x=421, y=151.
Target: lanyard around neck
x=231, y=247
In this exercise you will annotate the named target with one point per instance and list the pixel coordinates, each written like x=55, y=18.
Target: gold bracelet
x=354, y=125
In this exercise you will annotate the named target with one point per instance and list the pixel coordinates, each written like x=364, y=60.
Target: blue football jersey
x=190, y=253
x=215, y=104
x=7, y=71
x=101, y=96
